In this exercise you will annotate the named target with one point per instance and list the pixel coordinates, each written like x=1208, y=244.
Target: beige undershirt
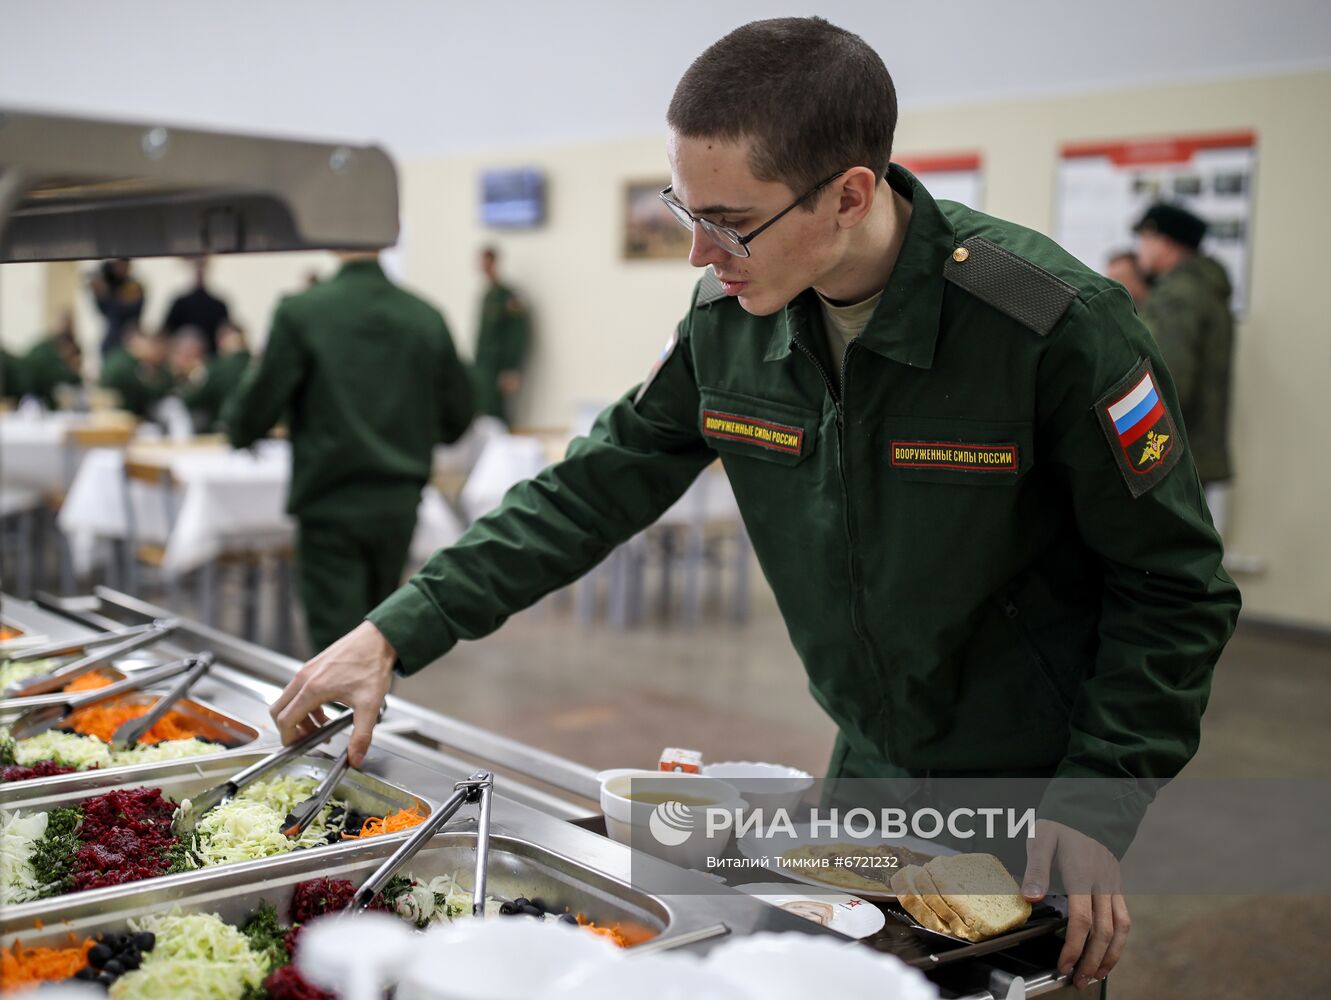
x=844, y=324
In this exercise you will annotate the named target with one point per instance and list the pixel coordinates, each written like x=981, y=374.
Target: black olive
x=521, y=901
x=533, y=911
x=87, y=973
x=105, y=978
x=567, y=918
x=116, y=941
x=508, y=909
x=145, y=940
x=114, y=967
x=540, y=903
x=99, y=955
x=129, y=959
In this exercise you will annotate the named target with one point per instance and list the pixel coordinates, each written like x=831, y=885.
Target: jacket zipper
x=838, y=401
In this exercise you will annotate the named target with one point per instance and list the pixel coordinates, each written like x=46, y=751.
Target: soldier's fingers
x=1097, y=943
x=361, y=731
x=1079, y=929
x=1122, y=927
x=1039, y=859
x=295, y=715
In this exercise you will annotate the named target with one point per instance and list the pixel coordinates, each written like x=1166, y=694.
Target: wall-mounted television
x=513, y=199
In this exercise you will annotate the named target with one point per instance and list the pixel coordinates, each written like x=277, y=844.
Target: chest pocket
x=964, y=452
x=737, y=424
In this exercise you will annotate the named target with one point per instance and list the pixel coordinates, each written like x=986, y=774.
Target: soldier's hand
x=1098, y=922
x=357, y=670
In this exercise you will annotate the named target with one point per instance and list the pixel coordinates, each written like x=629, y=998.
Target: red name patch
x=958, y=456
x=751, y=430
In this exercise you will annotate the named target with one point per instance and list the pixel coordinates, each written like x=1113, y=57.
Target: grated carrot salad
x=20, y=966
x=403, y=819
x=102, y=721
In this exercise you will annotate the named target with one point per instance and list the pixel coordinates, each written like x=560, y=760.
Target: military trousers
x=344, y=568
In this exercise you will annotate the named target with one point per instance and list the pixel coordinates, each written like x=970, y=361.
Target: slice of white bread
x=908, y=895
x=933, y=898
x=980, y=891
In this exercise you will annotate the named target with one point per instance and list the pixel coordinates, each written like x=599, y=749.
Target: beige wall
x=600, y=321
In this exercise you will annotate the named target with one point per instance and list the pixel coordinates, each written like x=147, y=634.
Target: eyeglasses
x=727, y=238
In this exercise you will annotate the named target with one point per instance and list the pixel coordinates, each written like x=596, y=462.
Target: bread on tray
x=970, y=896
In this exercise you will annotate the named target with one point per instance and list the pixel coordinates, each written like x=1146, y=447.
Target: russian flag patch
x=1141, y=432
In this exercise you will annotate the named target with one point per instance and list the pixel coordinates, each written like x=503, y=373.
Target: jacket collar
x=904, y=327
x=364, y=268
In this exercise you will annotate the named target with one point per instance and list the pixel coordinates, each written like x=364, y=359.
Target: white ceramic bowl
x=499, y=959
x=801, y=965
x=676, y=834
x=768, y=787
x=651, y=977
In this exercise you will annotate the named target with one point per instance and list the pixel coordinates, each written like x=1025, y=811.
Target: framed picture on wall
x=650, y=231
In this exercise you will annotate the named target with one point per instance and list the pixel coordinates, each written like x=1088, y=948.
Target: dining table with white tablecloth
x=208, y=501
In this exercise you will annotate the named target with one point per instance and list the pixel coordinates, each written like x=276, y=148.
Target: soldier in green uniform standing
x=972, y=498
x=501, y=343
x=1188, y=313
x=368, y=380
x=138, y=371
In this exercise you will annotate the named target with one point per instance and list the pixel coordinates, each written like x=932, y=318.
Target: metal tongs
x=303, y=814
x=186, y=818
x=112, y=644
x=39, y=720
x=131, y=731
x=478, y=788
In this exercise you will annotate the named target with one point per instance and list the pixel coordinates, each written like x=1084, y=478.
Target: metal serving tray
x=210, y=723
x=180, y=779
x=517, y=868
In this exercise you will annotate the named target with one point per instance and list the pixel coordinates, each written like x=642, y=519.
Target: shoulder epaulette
x=1011, y=284
x=709, y=289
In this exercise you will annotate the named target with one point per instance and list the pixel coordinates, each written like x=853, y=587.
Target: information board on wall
x=1104, y=187
x=950, y=176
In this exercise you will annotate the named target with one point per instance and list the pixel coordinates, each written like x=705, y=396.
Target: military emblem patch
x=1141, y=432
x=955, y=456
x=750, y=430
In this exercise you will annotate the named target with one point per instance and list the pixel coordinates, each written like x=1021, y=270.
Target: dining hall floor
x=615, y=698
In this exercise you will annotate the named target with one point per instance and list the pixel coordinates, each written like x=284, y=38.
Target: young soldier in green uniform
x=501, y=343
x=978, y=513
x=1188, y=313
x=368, y=379
x=205, y=383
x=138, y=371
x=53, y=361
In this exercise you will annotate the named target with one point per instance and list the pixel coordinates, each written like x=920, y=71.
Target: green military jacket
x=140, y=387
x=221, y=377
x=368, y=379
x=44, y=369
x=1188, y=312
x=990, y=547
x=501, y=344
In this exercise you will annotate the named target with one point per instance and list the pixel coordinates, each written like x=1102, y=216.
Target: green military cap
x=1173, y=221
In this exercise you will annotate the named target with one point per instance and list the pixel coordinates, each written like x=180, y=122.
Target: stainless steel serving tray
x=180, y=779
x=518, y=867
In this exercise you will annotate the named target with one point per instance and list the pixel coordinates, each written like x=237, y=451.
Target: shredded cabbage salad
x=84, y=752
x=12, y=673
x=196, y=955
x=69, y=749
x=441, y=898
x=151, y=753
x=19, y=835
x=249, y=827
